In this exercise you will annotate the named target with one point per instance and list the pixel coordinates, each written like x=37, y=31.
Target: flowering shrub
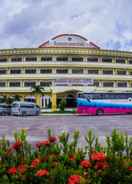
x=59, y=160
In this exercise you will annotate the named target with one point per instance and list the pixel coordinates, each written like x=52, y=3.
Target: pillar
x=38, y=100
x=22, y=97
x=54, y=102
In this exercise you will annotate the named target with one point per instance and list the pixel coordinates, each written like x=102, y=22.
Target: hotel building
x=66, y=64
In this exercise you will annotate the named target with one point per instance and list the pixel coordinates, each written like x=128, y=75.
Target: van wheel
x=99, y=112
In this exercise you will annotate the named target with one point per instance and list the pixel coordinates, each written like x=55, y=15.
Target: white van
x=24, y=108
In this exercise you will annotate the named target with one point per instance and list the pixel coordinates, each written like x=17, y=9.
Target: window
x=74, y=84
x=15, y=71
x=2, y=72
x=2, y=60
x=45, y=84
x=130, y=73
x=93, y=71
x=121, y=72
x=107, y=72
x=107, y=60
x=92, y=59
x=62, y=71
x=96, y=83
x=130, y=62
x=45, y=71
x=14, y=84
x=30, y=71
x=77, y=71
x=29, y=84
x=31, y=59
x=16, y=59
x=77, y=59
x=121, y=61
x=2, y=84
x=46, y=58
x=108, y=84
x=62, y=59
x=122, y=84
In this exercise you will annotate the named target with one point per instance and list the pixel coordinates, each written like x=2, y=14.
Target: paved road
x=37, y=126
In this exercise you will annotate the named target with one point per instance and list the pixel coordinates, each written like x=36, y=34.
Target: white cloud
x=28, y=23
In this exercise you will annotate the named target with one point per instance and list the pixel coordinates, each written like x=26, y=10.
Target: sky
x=29, y=23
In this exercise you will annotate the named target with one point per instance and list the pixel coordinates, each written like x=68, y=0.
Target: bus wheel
x=99, y=112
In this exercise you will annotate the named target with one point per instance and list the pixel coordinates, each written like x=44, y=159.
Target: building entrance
x=70, y=99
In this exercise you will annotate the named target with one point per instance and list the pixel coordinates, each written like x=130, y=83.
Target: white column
x=85, y=71
x=100, y=59
x=100, y=83
x=43, y=101
x=53, y=70
x=100, y=71
x=84, y=59
x=70, y=71
x=54, y=59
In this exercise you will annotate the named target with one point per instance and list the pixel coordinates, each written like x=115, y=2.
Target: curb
x=57, y=114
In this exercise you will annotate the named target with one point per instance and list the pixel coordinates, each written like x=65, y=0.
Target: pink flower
x=85, y=164
x=52, y=139
x=98, y=156
x=72, y=157
x=21, y=169
x=74, y=179
x=35, y=163
x=12, y=170
x=42, y=172
x=17, y=145
x=130, y=168
x=101, y=165
x=43, y=143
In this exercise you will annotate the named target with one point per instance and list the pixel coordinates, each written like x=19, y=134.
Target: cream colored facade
x=109, y=70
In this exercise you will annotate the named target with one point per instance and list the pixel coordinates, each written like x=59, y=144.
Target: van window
x=27, y=106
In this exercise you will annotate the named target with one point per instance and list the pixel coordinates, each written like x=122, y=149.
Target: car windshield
x=15, y=105
x=3, y=106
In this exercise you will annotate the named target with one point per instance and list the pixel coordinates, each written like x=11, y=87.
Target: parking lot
x=37, y=126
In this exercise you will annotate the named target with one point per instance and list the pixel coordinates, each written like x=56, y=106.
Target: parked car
x=25, y=108
x=5, y=109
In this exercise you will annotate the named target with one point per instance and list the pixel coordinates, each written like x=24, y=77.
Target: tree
x=62, y=105
x=16, y=98
x=38, y=91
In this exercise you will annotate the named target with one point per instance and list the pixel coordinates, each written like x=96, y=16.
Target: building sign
x=68, y=44
x=72, y=82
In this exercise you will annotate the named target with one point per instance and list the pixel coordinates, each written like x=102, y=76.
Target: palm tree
x=16, y=98
x=38, y=91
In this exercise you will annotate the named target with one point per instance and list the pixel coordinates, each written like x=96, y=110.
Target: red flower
x=12, y=170
x=98, y=156
x=43, y=143
x=52, y=139
x=130, y=168
x=85, y=164
x=42, y=172
x=35, y=163
x=21, y=168
x=17, y=145
x=74, y=179
x=72, y=157
x=101, y=165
